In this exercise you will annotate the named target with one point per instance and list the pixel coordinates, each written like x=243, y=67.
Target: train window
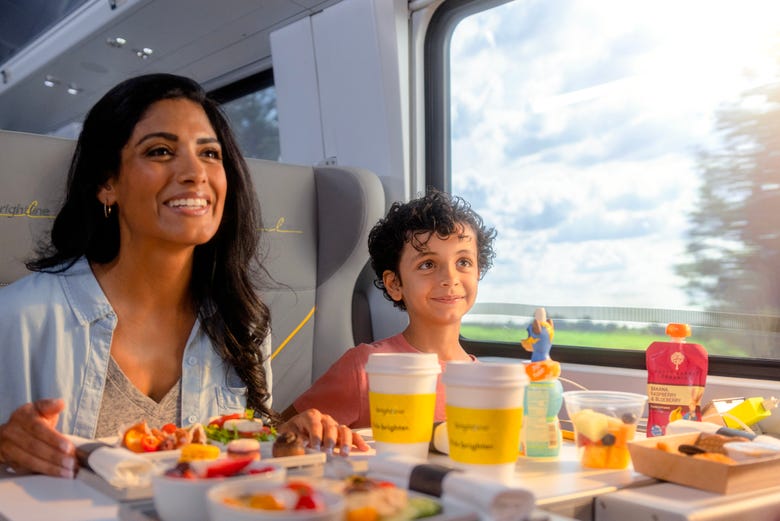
x=250, y=105
x=23, y=22
x=628, y=154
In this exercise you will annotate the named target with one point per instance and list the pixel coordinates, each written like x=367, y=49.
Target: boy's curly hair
x=415, y=223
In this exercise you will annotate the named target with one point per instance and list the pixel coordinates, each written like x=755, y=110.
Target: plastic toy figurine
x=543, y=397
x=539, y=342
x=540, y=336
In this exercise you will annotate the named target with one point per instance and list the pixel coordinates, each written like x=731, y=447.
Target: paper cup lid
x=403, y=363
x=485, y=374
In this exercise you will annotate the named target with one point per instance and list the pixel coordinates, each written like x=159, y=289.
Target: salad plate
x=310, y=464
x=145, y=511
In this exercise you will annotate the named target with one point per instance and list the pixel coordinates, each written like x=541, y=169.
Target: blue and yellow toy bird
x=540, y=336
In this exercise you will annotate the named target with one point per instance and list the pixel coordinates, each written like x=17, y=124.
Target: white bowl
x=221, y=511
x=184, y=499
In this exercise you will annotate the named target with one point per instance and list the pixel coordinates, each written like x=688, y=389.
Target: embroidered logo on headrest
x=32, y=210
x=279, y=227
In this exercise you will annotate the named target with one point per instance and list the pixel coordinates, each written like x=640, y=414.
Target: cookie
x=714, y=442
x=288, y=444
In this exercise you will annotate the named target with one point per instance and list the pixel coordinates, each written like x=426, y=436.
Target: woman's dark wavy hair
x=229, y=308
x=415, y=223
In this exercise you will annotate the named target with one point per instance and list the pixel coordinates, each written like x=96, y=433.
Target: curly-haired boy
x=428, y=256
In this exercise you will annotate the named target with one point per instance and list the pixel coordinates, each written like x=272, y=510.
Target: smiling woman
x=169, y=195
x=149, y=266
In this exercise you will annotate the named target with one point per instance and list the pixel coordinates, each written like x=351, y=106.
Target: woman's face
x=171, y=186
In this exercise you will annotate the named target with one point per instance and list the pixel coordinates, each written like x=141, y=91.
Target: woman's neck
x=150, y=280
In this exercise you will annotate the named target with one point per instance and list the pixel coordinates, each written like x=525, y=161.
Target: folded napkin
x=120, y=467
x=493, y=500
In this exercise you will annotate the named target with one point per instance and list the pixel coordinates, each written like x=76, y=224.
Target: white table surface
x=670, y=502
x=33, y=498
x=30, y=498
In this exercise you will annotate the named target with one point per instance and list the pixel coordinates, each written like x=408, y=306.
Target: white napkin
x=120, y=467
x=492, y=499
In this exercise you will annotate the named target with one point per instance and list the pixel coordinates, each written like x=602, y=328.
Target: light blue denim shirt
x=55, y=341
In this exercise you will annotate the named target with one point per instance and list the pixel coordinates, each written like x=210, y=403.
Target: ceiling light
x=117, y=41
x=144, y=53
x=72, y=89
x=51, y=81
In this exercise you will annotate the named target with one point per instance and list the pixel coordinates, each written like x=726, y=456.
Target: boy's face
x=439, y=284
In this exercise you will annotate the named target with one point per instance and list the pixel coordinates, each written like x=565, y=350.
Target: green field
x=615, y=338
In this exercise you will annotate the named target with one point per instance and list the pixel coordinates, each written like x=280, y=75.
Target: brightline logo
x=31, y=211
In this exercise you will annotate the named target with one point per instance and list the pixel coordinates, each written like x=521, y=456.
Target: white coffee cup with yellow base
x=484, y=416
x=402, y=400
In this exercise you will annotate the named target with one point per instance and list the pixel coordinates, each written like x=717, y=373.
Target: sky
x=575, y=133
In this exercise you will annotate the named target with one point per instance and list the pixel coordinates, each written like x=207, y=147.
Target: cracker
x=713, y=443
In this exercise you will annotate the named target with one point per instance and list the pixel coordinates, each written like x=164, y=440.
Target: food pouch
x=676, y=375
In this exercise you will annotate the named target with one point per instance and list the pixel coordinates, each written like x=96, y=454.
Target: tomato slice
x=307, y=502
x=261, y=470
x=149, y=443
x=168, y=428
x=227, y=467
x=300, y=487
x=219, y=422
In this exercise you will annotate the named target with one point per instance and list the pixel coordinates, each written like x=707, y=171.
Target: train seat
x=316, y=222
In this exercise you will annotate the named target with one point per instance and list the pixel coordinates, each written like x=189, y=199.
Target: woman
x=143, y=306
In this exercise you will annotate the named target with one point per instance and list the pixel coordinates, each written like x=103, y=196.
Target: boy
x=428, y=255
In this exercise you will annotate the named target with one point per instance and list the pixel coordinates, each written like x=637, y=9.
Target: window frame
x=438, y=171
x=253, y=83
x=241, y=88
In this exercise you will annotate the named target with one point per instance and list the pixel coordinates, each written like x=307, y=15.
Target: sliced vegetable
x=238, y=425
x=224, y=467
x=134, y=435
x=424, y=507
x=307, y=502
x=220, y=422
x=168, y=428
x=149, y=443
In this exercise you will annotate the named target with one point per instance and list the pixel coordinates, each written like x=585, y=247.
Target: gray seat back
x=33, y=172
x=316, y=224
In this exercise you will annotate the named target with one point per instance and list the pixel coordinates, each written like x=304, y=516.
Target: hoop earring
x=106, y=210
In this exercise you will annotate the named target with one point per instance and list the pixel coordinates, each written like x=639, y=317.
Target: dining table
x=563, y=490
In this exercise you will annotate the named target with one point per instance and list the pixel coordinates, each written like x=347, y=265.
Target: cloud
x=599, y=226
x=547, y=215
x=575, y=127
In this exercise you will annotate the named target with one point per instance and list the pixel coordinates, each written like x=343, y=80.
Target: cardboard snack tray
x=699, y=473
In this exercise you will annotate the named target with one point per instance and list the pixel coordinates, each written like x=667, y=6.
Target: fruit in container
x=603, y=439
x=591, y=424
